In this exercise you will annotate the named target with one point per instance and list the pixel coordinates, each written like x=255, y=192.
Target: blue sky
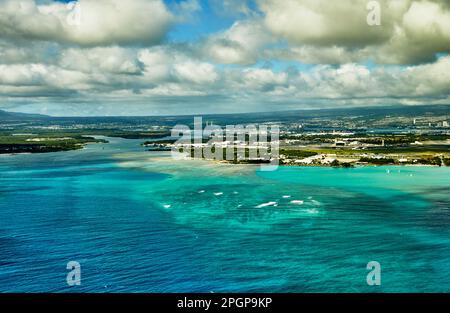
x=145, y=57
x=205, y=21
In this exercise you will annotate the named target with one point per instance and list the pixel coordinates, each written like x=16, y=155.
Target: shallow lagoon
x=138, y=221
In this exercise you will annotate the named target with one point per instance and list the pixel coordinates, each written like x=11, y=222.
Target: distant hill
x=12, y=116
x=286, y=116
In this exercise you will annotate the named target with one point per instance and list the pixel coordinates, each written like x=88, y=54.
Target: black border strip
x=285, y=302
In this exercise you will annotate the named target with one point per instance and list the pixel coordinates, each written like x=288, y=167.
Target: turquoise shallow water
x=141, y=222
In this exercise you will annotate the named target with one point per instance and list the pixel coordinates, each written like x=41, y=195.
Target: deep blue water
x=139, y=221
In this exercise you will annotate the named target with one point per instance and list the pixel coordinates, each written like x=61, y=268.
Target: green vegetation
x=79, y=133
x=430, y=161
x=300, y=154
x=161, y=142
x=336, y=163
x=21, y=144
x=382, y=161
x=134, y=134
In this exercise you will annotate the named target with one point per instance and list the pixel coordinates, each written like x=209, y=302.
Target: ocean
x=139, y=221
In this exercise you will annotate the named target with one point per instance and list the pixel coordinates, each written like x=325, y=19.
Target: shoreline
x=43, y=149
x=224, y=162
x=82, y=146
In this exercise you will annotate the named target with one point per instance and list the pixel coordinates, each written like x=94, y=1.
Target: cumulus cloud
x=260, y=80
x=40, y=80
x=411, y=31
x=162, y=72
x=167, y=65
x=358, y=81
x=118, y=55
x=422, y=32
x=110, y=60
x=323, y=23
x=86, y=22
x=323, y=55
x=241, y=44
x=26, y=52
x=196, y=72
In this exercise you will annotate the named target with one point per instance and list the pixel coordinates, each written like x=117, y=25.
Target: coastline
x=224, y=162
x=191, y=204
x=100, y=139
x=48, y=146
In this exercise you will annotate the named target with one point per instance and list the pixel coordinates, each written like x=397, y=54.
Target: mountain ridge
x=409, y=110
